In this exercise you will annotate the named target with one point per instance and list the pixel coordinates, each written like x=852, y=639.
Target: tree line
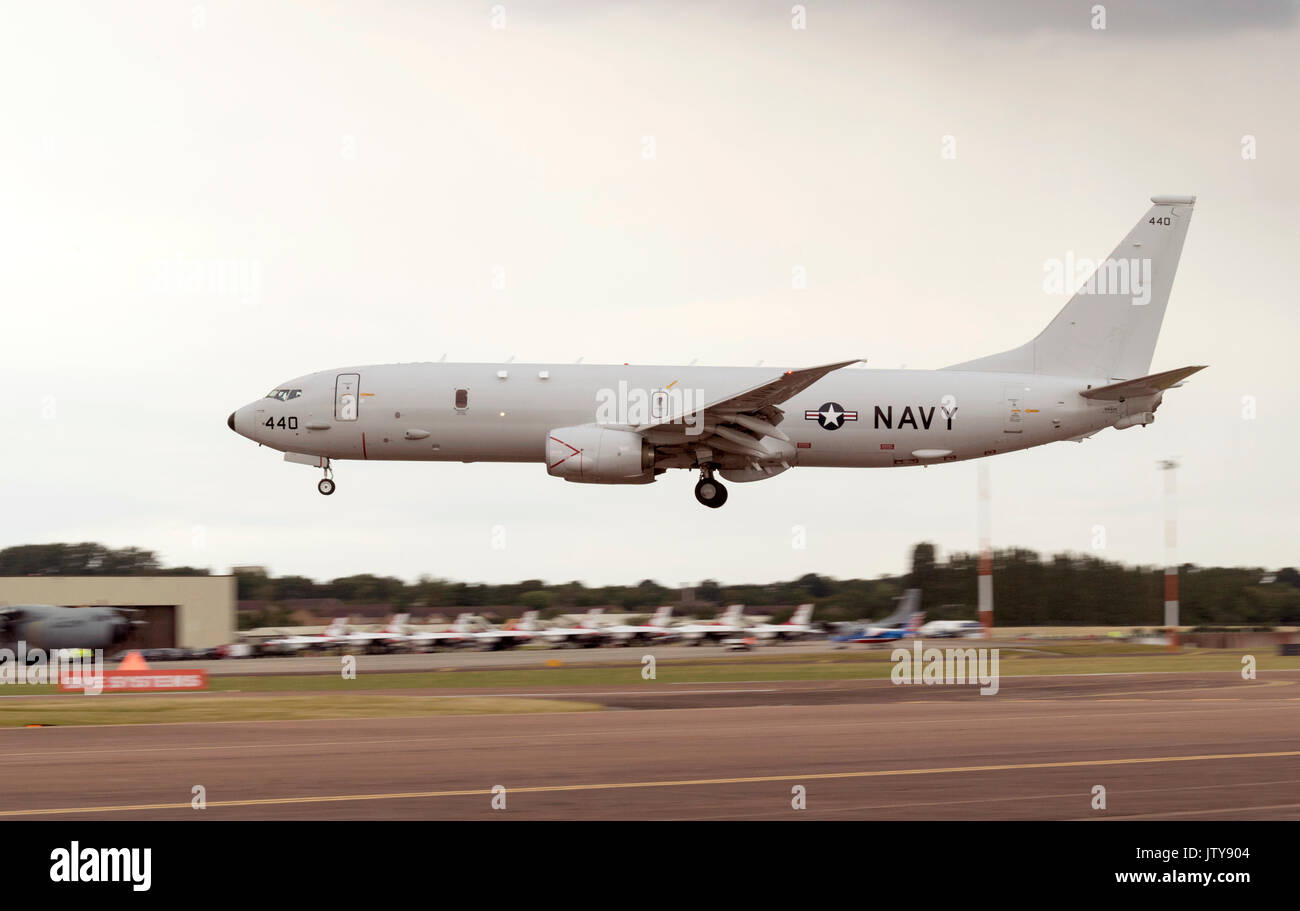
x=1029, y=590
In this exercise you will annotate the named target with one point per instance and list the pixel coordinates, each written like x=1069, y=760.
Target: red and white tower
x=986, y=554
x=1169, y=467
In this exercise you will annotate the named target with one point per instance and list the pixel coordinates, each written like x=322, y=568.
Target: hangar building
x=180, y=611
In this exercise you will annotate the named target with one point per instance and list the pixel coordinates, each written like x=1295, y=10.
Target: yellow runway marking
x=626, y=785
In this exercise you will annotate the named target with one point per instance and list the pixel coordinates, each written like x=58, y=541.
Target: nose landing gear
x=708, y=491
x=326, y=485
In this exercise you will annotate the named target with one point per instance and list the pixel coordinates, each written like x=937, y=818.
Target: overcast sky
x=201, y=200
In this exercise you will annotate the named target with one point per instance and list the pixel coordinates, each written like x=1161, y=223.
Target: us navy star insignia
x=830, y=416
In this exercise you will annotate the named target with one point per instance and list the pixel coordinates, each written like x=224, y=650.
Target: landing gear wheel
x=326, y=486
x=710, y=492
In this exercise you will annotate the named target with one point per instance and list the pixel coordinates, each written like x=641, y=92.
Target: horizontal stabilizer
x=1143, y=385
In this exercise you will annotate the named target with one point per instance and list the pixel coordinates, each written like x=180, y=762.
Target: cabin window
x=462, y=399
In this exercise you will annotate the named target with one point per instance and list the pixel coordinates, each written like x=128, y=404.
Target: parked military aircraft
x=49, y=626
x=633, y=633
x=798, y=626
x=332, y=636
x=727, y=624
x=586, y=634
x=511, y=635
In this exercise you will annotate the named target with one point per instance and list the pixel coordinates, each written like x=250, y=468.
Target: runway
x=1164, y=746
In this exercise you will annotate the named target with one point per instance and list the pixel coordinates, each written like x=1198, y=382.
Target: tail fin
x=1109, y=328
x=338, y=626
x=463, y=623
x=662, y=615
x=397, y=624
x=802, y=615
x=528, y=622
x=908, y=602
x=732, y=614
x=914, y=622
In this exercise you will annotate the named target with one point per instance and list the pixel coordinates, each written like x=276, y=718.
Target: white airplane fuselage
x=407, y=412
x=610, y=424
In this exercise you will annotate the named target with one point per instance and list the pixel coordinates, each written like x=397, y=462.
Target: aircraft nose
x=230, y=421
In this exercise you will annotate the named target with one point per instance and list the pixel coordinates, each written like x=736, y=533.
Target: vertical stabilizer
x=1108, y=330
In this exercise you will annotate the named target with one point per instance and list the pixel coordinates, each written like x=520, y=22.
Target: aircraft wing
x=1145, y=385
x=756, y=398
x=742, y=423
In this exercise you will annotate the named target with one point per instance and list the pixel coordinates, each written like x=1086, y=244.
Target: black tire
x=326, y=486
x=711, y=493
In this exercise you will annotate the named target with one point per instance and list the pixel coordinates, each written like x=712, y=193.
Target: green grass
x=1070, y=658
x=75, y=710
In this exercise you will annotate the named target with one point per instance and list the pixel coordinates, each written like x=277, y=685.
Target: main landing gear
x=708, y=491
x=326, y=485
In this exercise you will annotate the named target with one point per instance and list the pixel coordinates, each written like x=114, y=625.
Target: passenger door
x=346, y=396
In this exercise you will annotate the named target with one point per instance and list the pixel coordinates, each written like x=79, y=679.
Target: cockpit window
x=283, y=395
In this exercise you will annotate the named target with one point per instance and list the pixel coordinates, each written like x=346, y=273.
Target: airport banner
x=138, y=681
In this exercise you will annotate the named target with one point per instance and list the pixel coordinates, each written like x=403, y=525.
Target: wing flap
x=773, y=392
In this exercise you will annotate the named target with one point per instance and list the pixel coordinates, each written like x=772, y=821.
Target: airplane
x=798, y=626
x=394, y=631
x=586, y=634
x=510, y=635
x=725, y=626
x=908, y=604
x=620, y=424
x=630, y=634
x=876, y=634
x=50, y=626
x=955, y=629
x=333, y=635
x=460, y=633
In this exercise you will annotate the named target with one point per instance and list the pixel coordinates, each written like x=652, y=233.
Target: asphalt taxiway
x=1164, y=746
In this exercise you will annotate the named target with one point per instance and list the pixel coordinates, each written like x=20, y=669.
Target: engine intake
x=588, y=454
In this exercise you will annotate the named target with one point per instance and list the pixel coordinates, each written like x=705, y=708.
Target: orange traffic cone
x=133, y=661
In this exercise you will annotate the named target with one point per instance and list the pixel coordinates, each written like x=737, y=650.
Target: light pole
x=985, y=581
x=1169, y=467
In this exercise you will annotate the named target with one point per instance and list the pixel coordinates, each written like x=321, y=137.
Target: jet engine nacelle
x=589, y=454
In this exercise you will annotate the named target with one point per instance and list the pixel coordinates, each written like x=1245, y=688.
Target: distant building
x=179, y=611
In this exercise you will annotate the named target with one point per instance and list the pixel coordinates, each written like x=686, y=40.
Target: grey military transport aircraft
x=611, y=424
x=51, y=626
